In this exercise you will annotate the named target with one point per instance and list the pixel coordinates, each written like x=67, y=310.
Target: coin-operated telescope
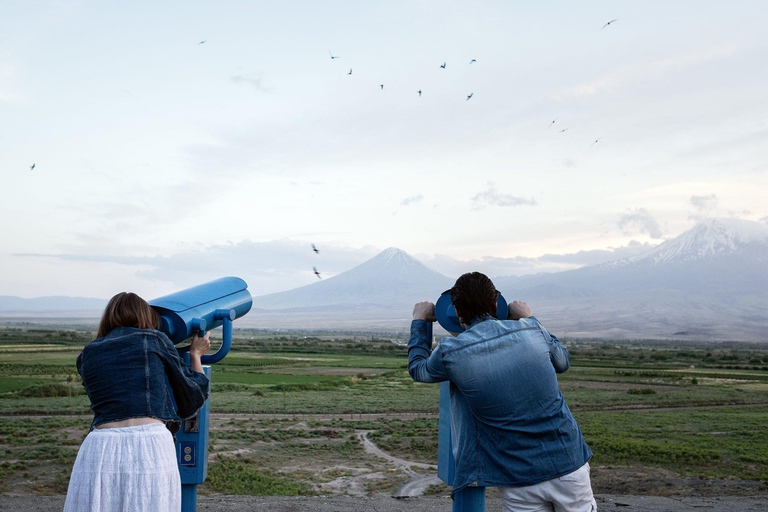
x=470, y=499
x=183, y=314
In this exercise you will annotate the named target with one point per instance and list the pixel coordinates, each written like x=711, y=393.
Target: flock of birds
x=317, y=251
x=469, y=96
x=381, y=86
x=419, y=92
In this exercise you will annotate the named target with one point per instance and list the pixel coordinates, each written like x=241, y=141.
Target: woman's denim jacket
x=509, y=423
x=127, y=374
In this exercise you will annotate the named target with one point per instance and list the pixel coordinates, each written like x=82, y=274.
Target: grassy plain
x=661, y=417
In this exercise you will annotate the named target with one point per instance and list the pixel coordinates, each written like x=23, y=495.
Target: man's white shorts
x=567, y=493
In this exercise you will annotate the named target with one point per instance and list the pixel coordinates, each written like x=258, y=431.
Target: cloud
x=411, y=200
x=266, y=266
x=704, y=206
x=646, y=72
x=492, y=197
x=640, y=221
x=520, y=265
x=704, y=203
x=597, y=256
x=254, y=80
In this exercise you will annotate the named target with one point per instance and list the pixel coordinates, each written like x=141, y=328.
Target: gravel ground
x=342, y=504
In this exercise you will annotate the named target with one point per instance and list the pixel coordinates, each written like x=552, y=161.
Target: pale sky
x=161, y=163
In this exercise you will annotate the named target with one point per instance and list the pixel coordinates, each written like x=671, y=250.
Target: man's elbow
x=419, y=373
x=562, y=365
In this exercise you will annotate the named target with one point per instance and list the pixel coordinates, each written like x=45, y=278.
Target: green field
x=661, y=419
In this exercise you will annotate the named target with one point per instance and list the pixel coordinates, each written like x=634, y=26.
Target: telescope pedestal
x=188, y=497
x=469, y=499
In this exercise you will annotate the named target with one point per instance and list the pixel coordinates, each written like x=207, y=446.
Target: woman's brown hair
x=127, y=310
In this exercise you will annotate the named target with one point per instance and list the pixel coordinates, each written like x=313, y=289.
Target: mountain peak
x=709, y=238
x=394, y=257
x=392, y=277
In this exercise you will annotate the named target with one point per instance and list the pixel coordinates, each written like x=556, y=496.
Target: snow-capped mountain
x=712, y=239
x=711, y=276
x=392, y=279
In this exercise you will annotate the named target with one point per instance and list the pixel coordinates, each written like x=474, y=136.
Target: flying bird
x=382, y=86
x=315, y=249
x=617, y=19
x=553, y=121
x=201, y=42
x=32, y=167
x=419, y=91
x=316, y=272
x=350, y=71
x=332, y=55
x=563, y=130
x=596, y=141
x=473, y=60
x=443, y=65
x=470, y=95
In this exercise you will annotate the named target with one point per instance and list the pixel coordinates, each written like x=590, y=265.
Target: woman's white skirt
x=126, y=469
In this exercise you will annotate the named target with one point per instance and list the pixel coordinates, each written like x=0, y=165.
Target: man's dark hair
x=474, y=295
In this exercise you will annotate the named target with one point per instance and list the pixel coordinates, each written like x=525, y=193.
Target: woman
x=128, y=460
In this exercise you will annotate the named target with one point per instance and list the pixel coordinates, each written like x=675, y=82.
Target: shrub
x=51, y=390
x=641, y=391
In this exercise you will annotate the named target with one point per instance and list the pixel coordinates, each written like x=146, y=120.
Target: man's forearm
x=419, y=351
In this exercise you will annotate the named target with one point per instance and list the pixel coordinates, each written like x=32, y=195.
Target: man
x=510, y=427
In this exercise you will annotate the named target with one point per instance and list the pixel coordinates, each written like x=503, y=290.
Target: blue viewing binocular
x=449, y=320
x=202, y=308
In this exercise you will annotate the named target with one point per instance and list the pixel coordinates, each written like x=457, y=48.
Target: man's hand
x=424, y=311
x=518, y=310
x=200, y=346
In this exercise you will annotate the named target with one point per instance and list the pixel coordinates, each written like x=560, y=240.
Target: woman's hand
x=200, y=346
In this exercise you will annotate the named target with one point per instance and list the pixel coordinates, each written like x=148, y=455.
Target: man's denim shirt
x=509, y=423
x=124, y=374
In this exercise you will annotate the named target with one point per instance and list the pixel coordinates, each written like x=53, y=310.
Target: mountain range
x=711, y=283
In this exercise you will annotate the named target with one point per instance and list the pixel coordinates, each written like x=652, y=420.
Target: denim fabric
x=127, y=374
x=509, y=423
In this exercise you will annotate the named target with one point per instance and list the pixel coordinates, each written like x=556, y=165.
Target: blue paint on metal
x=183, y=314
x=449, y=320
x=192, y=440
x=192, y=452
x=226, y=344
x=188, y=498
x=445, y=465
x=469, y=499
x=203, y=307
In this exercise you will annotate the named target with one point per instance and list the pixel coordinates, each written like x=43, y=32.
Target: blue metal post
x=469, y=499
x=188, y=497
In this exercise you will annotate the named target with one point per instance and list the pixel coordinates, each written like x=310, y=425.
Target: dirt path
x=417, y=486
x=419, y=481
